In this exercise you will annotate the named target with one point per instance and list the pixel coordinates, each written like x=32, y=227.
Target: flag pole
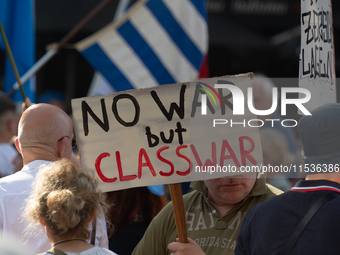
x=48, y=55
x=10, y=55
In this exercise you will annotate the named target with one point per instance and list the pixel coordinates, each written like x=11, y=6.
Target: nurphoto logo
x=235, y=101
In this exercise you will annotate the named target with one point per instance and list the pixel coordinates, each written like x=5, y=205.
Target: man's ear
x=61, y=148
x=17, y=145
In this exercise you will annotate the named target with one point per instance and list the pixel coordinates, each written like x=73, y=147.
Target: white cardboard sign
x=317, y=61
x=159, y=136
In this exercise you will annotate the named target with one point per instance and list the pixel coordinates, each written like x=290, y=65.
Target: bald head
x=40, y=128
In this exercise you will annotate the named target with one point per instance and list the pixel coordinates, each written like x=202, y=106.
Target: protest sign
x=167, y=134
x=317, y=60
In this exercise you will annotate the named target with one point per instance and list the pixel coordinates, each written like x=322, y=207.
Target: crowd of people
x=50, y=206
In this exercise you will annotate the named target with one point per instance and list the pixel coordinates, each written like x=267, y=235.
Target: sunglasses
x=74, y=142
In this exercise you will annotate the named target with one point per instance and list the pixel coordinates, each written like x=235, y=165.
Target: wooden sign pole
x=178, y=205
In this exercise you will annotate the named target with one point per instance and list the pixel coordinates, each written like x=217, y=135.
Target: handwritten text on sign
x=317, y=65
x=158, y=135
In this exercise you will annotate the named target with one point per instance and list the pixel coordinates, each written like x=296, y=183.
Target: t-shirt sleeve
x=158, y=234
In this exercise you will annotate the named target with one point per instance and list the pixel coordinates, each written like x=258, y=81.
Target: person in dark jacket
x=304, y=220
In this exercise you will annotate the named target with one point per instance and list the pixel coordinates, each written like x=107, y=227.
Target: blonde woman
x=65, y=200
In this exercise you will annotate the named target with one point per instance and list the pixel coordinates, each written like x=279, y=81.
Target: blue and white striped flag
x=156, y=42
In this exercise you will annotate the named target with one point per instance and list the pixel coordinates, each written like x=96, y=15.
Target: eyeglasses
x=74, y=141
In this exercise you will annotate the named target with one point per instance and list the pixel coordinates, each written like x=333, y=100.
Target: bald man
x=45, y=134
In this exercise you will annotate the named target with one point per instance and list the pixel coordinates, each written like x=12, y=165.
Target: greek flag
x=156, y=42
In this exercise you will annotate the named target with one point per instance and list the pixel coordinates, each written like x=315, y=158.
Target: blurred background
x=244, y=36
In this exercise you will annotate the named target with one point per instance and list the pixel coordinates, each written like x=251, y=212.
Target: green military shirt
x=215, y=234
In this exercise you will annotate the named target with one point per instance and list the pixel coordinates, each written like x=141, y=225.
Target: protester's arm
x=191, y=248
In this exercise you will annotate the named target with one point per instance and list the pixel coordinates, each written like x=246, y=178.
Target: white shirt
x=14, y=190
x=91, y=251
x=7, y=155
